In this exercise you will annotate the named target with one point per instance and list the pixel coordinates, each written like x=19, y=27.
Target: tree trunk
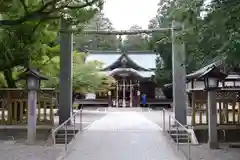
x=9, y=78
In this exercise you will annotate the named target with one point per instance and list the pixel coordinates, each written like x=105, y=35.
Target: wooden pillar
x=138, y=95
x=117, y=96
x=238, y=112
x=233, y=111
x=131, y=98
x=225, y=106
x=109, y=98
x=193, y=108
x=124, y=93
x=212, y=121
x=204, y=97
x=221, y=114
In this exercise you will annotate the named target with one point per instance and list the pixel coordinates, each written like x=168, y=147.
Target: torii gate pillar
x=179, y=76
x=66, y=56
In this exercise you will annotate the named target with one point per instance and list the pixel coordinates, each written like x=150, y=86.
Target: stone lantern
x=212, y=76
x=33, y=79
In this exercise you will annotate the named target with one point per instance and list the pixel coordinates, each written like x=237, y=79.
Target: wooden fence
x=228, y=107
x=14, y=106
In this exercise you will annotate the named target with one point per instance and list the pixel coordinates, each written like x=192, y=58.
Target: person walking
x=144, y=100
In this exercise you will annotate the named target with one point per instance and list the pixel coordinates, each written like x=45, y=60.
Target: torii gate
x=66, y=55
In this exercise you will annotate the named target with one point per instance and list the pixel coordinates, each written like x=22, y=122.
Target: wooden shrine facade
x=134, y=75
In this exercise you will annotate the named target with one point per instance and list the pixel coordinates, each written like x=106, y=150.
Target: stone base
x=213, y=145
x=30, y=142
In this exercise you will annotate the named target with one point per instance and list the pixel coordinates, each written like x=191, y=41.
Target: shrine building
x=134, y=73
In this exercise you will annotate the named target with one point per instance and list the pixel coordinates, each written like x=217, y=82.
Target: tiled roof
x=144, y=74
x=200, y=71
x=146, y=59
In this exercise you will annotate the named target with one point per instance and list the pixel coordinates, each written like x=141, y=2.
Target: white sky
x=126, y=13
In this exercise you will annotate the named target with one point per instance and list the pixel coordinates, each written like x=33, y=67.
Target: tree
x=214, y=33
x=86, y=75
x=16, y=12
x=20, y=50
x=161, y=42
x=211, y=31
x=136, y=42
x=97, y=42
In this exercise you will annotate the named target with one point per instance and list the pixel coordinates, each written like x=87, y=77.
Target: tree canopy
x=16, y=12
x=29, y=33
x=136, y=42
x=97, y=42
x=211, y=30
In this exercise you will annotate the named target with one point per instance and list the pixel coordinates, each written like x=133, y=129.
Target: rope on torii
x=118, y=32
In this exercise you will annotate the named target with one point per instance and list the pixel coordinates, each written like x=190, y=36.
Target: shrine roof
x=200, y=71
x=143, y=74
x=145, y=59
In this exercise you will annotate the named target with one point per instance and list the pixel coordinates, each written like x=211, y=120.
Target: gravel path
x=10, y=150
x=16, y=151
x=202, y=152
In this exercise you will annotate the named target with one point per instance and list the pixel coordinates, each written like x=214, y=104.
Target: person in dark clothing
x=144, y=100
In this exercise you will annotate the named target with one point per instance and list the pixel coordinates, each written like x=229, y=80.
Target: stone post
x=124, y=94
x=109, y=99
x=138, y=98
x=32, y=105
x=138, y=94
x=117, y=95
x=66, y=49
x=179, y=76
x=131, y=96
x=212, y=120
x=33, y=85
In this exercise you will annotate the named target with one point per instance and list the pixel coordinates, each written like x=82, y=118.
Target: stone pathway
x=122, y=136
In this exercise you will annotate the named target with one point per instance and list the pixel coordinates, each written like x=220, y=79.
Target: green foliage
x=161, y=42
x=97, y=42
x=23, y=44
x=211, y=30
x=16, y=12
x=214, y=34
x=29, y=30
x=86, y=76
x=136, y=42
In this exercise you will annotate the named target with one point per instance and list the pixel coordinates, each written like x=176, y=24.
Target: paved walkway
x=122, y=136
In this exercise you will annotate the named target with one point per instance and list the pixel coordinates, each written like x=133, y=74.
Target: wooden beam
x=116, y=32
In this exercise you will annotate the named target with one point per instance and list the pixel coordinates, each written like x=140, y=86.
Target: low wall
x=21, y=133
x=227, y=135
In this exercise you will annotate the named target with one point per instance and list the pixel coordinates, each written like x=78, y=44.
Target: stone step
x=128, y=109
x=60, y=136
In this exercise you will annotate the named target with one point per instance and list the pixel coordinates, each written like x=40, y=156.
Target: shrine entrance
x=126, y=93
x=127, y=90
